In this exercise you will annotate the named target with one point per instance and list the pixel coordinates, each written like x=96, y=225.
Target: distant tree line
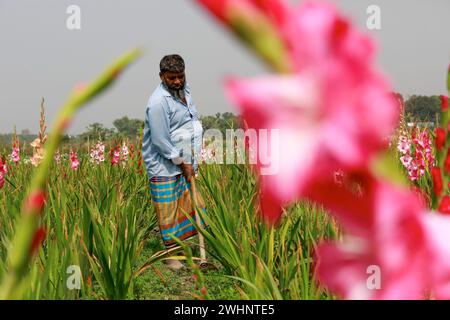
x=417, y=108
x=423, y=109
x=124, y=128
x=221, y=121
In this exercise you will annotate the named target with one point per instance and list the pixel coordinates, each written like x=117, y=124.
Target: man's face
x=173, y=80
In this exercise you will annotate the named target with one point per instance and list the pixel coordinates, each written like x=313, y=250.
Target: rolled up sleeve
x=158, y=120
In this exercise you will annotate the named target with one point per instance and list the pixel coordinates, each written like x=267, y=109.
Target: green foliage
x=221, y=121
x=103, y=235
x=423, y=108
x=96, y=131
x=269, y=263
x=101, y=219
x=27, y=234
x=128, y=127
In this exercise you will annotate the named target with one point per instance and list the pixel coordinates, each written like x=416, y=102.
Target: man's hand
x=188, y=170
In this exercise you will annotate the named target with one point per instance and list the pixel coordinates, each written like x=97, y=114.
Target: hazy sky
x=40, y=57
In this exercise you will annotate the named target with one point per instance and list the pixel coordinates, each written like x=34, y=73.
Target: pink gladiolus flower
x=401, y=251
x=404, y=145
x=406, y=160
x=3, y=171
x=416, y=162
x=115, y=156
x=57, y=157
x=227, y=10
x=15, y=154
x=222, y=9
x=203, y=155
x=74, y=163
x=413, y=172
x=98, y=153
x=125, y=152
x=259, y=23
x=324, y=113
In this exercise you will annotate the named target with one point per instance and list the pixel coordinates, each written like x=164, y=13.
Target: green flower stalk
x=28, y=235
x=448, y=82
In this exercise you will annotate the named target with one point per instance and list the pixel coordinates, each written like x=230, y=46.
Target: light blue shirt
x=172, y=133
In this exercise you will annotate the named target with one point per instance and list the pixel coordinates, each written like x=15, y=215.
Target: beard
x=176, y=92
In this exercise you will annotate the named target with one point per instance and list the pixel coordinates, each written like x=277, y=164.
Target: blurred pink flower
x=74, y=163
x=260, y=24
x=333, y=113
x=224, y=9
x=57, y=157
x=407, y=245
x=229, y=11
x=339, y=178
x=3, y=171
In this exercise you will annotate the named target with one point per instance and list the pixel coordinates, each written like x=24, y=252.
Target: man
x=172, y=131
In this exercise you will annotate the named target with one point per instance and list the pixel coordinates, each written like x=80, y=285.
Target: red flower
x=447, y=162
x=444, y=101
x=115, y=155
x=35, y=202
x=139, y=159
x=437, y=180
x=38, y=238
x=3, y=171
x=440, y=138
x=444, y=206
x=229, y=11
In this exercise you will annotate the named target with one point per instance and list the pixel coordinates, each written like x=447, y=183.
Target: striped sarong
x=171, y=198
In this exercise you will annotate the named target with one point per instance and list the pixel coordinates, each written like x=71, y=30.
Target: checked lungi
x=171, y=198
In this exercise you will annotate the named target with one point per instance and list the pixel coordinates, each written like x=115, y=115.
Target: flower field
x=100, y=217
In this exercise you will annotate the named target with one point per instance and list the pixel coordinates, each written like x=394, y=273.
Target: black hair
x=172, y=63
